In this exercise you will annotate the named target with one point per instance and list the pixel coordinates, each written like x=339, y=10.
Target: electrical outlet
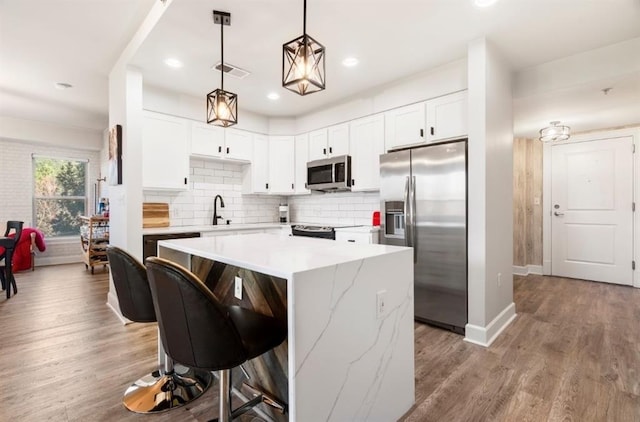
x=499, y=279
x=238, y=288
x=381, y=303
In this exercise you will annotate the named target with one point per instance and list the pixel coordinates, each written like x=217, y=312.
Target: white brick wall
x=344, y=208
x=16, y=190
x=211, y=178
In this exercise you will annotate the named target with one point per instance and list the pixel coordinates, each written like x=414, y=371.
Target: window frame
x=35, y=198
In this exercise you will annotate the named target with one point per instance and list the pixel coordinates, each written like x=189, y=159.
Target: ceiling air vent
x=232, y=70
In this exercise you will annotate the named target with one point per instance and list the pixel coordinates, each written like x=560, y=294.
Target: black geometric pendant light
x=222, y=106
x=303, y=63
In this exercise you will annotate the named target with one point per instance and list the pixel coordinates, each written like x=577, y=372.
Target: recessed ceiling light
x=350, y=62
x=63, y=85
x=273, y=96
x=484, y=3
x=175, y=63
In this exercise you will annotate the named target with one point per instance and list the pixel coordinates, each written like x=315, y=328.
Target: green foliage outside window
x=60, y=195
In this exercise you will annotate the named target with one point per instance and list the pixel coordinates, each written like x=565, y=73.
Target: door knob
x=558, y=214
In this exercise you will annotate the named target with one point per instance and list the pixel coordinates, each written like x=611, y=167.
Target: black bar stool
x=160, y=390
x=9, y=244
x=198, y=331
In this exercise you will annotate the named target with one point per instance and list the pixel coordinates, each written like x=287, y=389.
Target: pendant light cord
x=304, y=19
x=222, y=54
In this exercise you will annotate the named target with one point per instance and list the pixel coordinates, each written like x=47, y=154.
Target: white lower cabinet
x=354, y=235
x=165, y=152
x=367, y=143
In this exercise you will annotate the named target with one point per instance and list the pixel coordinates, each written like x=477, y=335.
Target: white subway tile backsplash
x=211, y=178
x=347, y=208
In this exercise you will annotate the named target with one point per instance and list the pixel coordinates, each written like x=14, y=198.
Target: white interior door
x=591, y=210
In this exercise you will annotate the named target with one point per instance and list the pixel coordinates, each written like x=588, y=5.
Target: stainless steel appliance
x=323, y=232
x=423, y=194
x=329, y=174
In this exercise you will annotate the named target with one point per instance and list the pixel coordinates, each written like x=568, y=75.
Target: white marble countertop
x=211, y=228
x=277, y=255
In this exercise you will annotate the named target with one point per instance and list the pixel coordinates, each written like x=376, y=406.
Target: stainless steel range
x=323, y=232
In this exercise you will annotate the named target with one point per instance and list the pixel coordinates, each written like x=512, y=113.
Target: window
x=59, y=195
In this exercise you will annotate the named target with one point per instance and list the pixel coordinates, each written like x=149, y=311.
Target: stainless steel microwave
x=329, y=174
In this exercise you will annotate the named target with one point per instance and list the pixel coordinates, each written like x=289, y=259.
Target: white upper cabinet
x=216, y=142
x=207, y=140
x=165, y=152
x=447, y=117
x=281, y=168
x=404, y=126
x=238, y=144
x=318, y=144
x=255, y=177
x=367, y=143
x=301, y=147
x=338, y=140
x=329, y=142
x=434, y=120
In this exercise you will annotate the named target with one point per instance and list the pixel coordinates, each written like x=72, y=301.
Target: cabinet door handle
x=432, y=131
x=266, y=185
x=353, y=182
x=227, y=150
x=330, y=150
x=351, y=240
x=324, y=151
x=185, y=180
x=422, y=133
x=219, y=148
x=292, y=186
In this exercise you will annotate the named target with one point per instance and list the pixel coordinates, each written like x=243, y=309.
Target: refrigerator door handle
x=412, y=192
x=407, y=213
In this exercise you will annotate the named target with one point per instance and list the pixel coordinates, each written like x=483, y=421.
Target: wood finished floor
x=572, y=354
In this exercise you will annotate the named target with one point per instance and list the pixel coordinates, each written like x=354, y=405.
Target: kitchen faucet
x=215, y=209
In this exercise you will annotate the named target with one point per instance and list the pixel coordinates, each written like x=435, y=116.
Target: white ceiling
x=42, y=42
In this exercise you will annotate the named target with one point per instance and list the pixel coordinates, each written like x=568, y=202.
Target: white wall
x=16, y=195
x=50, y=133
x=490, y=193
x=210, y=178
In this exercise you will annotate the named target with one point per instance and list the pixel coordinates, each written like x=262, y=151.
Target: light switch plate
x=238, y=288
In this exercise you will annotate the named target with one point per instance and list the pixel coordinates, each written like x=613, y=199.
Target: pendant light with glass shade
x=555, y=132
x=222, y=106
x=303, y=67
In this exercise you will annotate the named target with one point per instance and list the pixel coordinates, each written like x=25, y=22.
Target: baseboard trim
x=112, y=303
x=484, y=336
x=57, y=260
x=527, y=269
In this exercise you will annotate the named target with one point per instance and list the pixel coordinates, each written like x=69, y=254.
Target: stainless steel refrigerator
x=423, y=194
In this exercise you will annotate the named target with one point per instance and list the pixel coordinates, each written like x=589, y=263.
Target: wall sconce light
x=222, y=106
x=303, y=69
x=555, y=132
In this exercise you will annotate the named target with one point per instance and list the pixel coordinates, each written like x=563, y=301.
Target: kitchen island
x=349, y=354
